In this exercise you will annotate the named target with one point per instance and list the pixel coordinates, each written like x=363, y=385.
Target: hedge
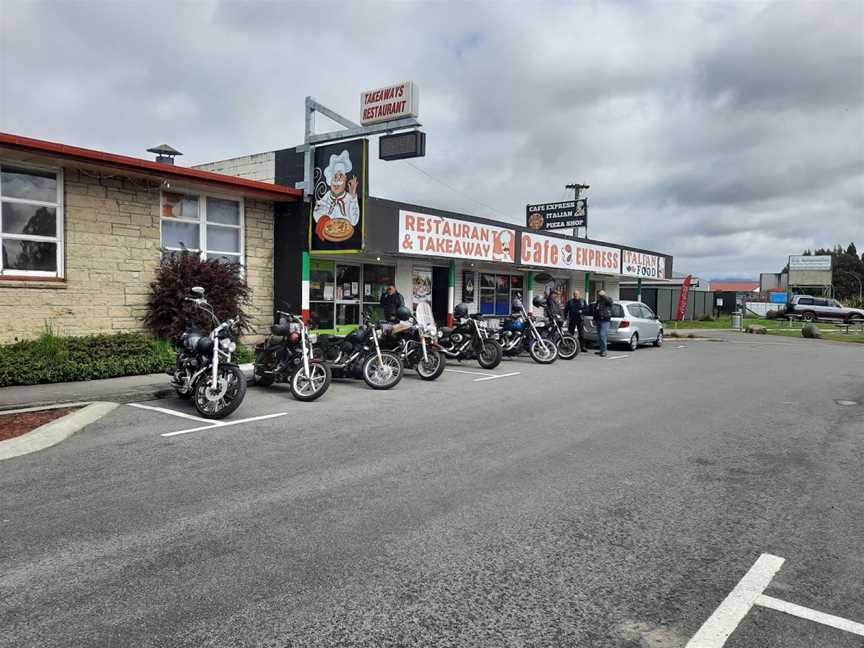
x=51, y=358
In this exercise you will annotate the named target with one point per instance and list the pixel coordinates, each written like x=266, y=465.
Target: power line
x=458, y=191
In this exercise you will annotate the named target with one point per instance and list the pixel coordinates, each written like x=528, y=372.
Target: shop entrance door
x=440, y=294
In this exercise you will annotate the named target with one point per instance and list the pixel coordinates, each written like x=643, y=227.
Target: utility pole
x=577, y=188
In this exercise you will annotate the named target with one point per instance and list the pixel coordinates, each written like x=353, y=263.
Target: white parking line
x=473, y=373
x=811, y=615
x=165, y=410
x=716, y=630
x=749, y=592
x=615, y=357
x=219, y=424
x=495, y=377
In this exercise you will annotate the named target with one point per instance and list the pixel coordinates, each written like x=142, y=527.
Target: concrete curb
x=54, y=432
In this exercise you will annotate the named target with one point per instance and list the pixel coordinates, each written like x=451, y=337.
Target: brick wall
x=112, y=249
x=261, y=166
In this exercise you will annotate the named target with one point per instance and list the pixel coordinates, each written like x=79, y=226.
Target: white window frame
x=60, y=222
x=203, y=223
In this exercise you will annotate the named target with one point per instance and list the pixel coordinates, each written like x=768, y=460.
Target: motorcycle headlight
x=313, y=338
x=483, y=324
x=227, y=345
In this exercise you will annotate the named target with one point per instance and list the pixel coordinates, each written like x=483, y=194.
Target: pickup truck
x=811, y=309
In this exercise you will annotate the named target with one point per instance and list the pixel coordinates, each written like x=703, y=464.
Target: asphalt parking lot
x=599, y=502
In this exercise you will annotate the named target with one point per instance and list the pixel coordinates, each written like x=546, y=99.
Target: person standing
x=574, y=309
x=602, y=309
x=391, y=300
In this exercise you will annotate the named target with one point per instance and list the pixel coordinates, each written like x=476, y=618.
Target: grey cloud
x=728, y=135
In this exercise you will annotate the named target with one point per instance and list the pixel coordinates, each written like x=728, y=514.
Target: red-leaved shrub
x=227, y=292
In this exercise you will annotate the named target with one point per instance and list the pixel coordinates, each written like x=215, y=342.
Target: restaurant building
x=432, y=255
x=81, y=233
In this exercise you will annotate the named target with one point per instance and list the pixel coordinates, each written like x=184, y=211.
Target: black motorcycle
x=359, y=355
x=469, y=339
x=203, y=369
x=286, y=357
x=568, y=345
x=519, y=333
x=415, y=341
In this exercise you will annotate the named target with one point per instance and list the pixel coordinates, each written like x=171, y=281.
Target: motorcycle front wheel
x=433, y=367
x=216, y=402
x=543, y=351
x=309, y=387
x=384, y=373
x=490, y=354
x=568, y=347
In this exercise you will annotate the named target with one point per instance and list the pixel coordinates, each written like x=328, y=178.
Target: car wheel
x=659, y=341
x=808, y=316
x=634, y=342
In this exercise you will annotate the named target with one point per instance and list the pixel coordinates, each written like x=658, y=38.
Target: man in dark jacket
x=574, y=309
x=391, y=300
x=602, y=309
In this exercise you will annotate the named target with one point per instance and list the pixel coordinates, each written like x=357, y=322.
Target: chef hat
x=341, y=162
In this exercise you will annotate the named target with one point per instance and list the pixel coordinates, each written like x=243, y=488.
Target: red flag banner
x=682, y=298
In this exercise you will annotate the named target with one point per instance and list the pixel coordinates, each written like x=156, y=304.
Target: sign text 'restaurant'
x=428, y=235
x=387, y=104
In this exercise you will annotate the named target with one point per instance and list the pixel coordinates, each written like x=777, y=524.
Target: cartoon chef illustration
x=338, y=211
x=502, y=246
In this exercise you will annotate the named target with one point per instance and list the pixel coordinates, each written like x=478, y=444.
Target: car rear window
x=617, y=311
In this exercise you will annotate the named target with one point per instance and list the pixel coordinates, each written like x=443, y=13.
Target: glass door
x=347, y=298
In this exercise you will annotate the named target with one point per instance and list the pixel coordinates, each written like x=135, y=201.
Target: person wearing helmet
x=391, y=300
x=460, y=311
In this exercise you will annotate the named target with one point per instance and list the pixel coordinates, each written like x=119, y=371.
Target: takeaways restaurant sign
x=428, y=235
x=545, y=251
x=397, y=101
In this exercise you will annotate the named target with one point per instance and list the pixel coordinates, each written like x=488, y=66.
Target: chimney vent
x=164, y=153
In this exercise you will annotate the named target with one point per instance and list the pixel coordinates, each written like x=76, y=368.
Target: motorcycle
x=415, y=341
x=469, y=339
x=359, y=355
x=203, y=369
x=568, y=345
x=519, y=333
x=286, y=356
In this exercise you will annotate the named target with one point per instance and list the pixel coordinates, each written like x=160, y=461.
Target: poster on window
x=467, y=287
x=421, y=286
x=338, y=202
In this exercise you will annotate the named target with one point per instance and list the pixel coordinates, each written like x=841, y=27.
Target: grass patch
x=835, y=336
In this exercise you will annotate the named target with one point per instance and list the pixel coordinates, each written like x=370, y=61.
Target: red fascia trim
x=280, y=191
x=31, y=278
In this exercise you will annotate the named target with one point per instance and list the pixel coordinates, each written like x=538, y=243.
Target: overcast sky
x=727, y=134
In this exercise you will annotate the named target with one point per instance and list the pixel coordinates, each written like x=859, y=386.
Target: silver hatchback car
x=633, y=323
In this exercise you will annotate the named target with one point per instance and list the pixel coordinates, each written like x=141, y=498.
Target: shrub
x=773, y=314
x=707, y=318
x=51, y=358
x=811, y=331
x=168, y=314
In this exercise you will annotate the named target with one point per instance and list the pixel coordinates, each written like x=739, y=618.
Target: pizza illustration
x=535, y=221
x=338, y=229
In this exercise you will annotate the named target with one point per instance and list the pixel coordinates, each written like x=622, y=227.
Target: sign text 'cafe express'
x=569, y=255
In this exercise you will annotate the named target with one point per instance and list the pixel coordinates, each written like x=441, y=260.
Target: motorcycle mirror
x=198, y=290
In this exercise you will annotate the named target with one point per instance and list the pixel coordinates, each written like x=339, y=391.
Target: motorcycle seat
x=327, y=338
x=280, y=329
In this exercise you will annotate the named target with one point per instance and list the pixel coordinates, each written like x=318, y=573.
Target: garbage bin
x=736, y=320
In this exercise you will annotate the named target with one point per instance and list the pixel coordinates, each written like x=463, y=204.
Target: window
x=617, y=310
x=647, y=313
x=31, y=221
x=375, y=279
x=209, y=225
x=806, y=301
x=497, y=293
x=635, y=311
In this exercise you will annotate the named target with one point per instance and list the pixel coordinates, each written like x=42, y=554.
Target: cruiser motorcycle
x=415, y=341
x=469, y=339
x=286, y=357
x=568, y=345
x=519, y=333
x=203, y=369
x=359, y=355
